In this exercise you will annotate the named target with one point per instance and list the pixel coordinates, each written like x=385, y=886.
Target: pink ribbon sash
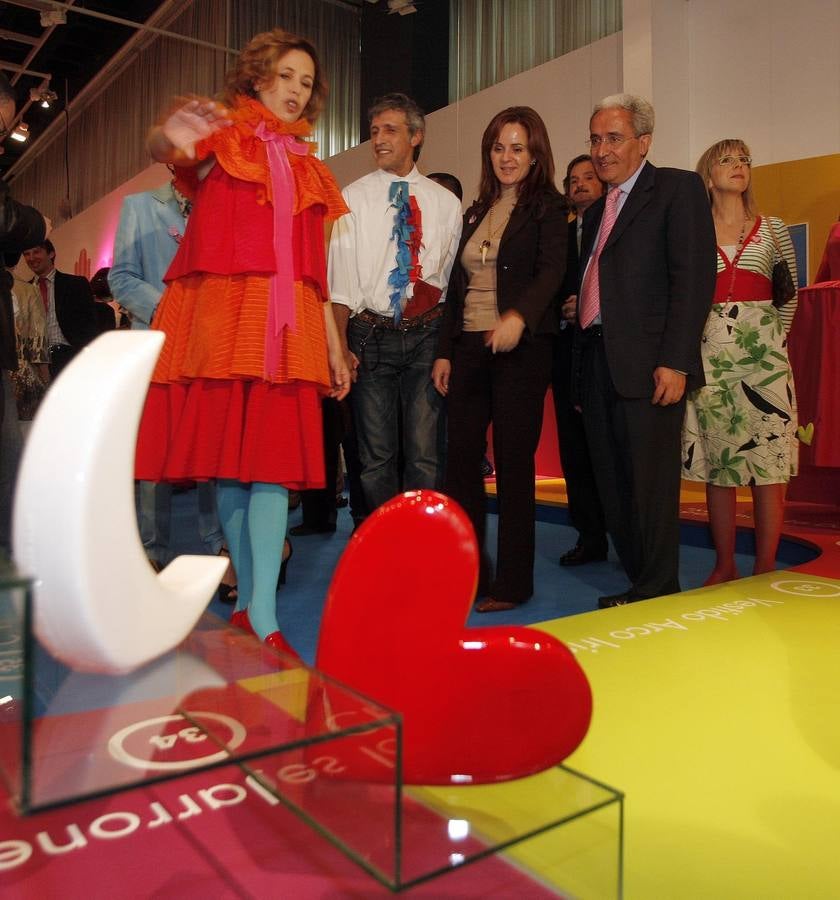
x=281, y=292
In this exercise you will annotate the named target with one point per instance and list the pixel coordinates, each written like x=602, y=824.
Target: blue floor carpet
x=559, y=591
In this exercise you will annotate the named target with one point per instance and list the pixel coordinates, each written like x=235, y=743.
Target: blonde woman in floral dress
x=740, y=429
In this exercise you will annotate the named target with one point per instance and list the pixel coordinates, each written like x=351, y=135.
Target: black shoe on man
x=618, y=600
x=304, y=530
x=579, y=555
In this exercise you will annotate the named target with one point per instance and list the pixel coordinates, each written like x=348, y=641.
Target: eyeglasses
x=726, y=161
x=611, y=140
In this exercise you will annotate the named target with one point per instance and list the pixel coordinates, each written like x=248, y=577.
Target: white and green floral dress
x=740, y=429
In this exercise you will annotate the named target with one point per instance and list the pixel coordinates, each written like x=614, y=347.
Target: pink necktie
x=45, y=293
x=590, y=300
x=281, y=298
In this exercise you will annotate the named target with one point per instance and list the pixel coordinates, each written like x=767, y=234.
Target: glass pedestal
x=222, y=697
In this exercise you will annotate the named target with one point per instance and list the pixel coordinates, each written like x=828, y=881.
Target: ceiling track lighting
x=20, y=133
x=44, y=96
x=54, y=16
x=403, y=7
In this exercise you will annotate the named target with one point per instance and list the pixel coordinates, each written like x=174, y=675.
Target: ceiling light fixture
x=20, y=133
x=44, y=96
x=54, y=16
x=403, y=7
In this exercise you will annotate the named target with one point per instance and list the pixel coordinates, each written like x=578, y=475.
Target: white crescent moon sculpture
x=99, y=606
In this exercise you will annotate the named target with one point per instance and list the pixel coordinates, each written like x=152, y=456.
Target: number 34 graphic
x=134, y=745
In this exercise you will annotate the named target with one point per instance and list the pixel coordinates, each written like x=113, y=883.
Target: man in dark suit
x=583, y=187
x=646, y=289
x=69, y=303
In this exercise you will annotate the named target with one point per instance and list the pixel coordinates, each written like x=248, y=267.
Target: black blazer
x=529, y=269
x=572, y=277
x=74, y=309
x=657, y=278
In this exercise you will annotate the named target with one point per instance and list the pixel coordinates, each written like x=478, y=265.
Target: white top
x=363, y=252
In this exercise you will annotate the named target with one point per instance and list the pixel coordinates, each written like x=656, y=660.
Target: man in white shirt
x=389, y=266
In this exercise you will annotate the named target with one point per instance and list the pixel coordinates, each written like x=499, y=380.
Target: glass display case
x=222, y=697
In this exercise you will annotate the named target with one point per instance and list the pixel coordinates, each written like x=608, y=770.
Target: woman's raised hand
x=189, y=122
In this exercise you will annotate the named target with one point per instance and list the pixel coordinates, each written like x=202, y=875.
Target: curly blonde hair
x=255, y=65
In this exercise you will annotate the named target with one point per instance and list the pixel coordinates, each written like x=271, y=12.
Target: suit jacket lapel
x=516, y=222
x=636, y=201
x=591, y=220
x=167, y=210
x=470, y=226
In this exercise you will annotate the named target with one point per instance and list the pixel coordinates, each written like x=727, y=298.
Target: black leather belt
x=377, y=321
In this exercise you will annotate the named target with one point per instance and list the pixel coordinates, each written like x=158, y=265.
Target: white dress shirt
x=363, y=252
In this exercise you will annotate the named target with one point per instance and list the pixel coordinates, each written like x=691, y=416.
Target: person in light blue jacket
x=151, y=226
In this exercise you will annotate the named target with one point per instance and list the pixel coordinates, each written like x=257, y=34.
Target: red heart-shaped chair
x=478, y=704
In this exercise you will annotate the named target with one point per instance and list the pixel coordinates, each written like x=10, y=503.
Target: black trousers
x=635, y=449
x=318, y=505
x=507, y=389
x=585, y=511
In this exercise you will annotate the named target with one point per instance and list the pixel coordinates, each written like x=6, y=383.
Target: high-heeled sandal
x=491, y=604
x=228, y=593
x=281, y=578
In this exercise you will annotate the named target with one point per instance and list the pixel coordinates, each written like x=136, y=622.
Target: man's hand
x=568, y=310
x=669, y=386
x=352, y=362
x=340, y=375
x=507, y=334
x=441, y=371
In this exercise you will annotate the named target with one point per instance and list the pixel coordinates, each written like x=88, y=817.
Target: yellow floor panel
x=717, y=712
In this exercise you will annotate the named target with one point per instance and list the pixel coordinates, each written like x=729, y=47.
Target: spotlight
x=44, y=96
x=21, y=133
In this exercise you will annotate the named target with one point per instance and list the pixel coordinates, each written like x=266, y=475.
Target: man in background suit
x=583, y=188
x=645, y=293
x=69, y=304
x=20, y=226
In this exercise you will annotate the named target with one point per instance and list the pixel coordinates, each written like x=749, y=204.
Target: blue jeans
x=396, y=409
x=154, y=518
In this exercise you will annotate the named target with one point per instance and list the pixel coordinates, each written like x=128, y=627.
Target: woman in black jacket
x=495, y=349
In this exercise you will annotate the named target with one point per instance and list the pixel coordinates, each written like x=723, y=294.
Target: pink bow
x=281, y=296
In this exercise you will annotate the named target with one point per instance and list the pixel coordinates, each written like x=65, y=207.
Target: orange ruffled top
x=213, y=409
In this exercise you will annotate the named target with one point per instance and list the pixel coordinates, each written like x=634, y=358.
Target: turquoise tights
x=254, y=518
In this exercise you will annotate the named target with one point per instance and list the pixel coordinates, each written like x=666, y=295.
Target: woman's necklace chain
x=484, y=246
x=735, y=259
x=743, y=233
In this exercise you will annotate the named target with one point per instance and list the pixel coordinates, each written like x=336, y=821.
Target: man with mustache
x=389, y=266
x=583, y=187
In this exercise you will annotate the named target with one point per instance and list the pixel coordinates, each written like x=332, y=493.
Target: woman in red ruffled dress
x=251, y=345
